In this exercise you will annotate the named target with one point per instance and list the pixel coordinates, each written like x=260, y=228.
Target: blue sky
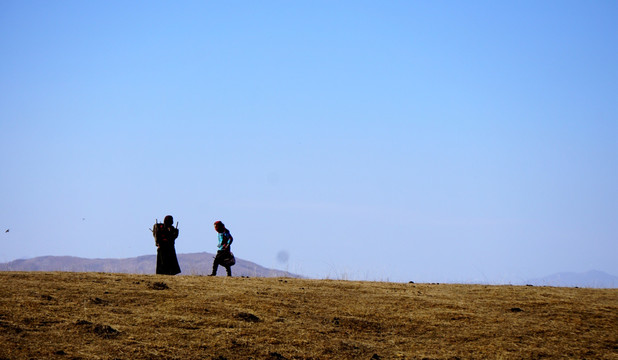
x=431, y=141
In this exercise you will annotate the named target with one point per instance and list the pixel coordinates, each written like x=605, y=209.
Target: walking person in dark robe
x=224, y=255
x=165, y=237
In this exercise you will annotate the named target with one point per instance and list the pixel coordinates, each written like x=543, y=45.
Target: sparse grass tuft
x=120, y=316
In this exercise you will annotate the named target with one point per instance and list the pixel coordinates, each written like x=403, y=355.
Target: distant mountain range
x=190, y=264
x=201, y=264
x=590, y=279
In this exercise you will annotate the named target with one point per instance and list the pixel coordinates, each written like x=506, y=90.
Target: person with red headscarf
x=224, y=255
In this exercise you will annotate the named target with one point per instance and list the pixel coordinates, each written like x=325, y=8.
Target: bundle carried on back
x=165, y=233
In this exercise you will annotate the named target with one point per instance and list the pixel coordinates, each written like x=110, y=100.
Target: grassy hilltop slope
x=63, y=315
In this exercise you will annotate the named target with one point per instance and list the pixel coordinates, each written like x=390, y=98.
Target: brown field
x=65, y=315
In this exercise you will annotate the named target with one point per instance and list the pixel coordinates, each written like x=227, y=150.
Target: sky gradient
x=435, y=141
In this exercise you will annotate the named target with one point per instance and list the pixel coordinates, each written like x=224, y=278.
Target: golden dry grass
x=119, y=316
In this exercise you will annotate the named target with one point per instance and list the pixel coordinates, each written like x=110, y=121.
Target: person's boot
x=214, y=270
x=229, y=271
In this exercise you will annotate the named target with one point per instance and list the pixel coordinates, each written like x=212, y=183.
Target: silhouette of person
x=224, y=252
x=165, y=237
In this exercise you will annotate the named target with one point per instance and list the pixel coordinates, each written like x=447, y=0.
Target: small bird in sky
x=7, y=230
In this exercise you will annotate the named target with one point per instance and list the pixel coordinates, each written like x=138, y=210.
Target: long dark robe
x=167, y=262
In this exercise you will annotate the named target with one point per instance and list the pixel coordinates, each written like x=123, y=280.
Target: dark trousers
x=221, y=256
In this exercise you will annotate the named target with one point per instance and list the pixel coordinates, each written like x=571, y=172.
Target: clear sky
x=462, y=141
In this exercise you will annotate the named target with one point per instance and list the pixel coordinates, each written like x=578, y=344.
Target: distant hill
x=190, y=264
x=590, y=279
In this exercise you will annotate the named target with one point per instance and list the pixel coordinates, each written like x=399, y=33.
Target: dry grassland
x=119, y=316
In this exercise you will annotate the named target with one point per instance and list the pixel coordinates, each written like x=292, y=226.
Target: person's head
x=219, y=227
x=168, y=221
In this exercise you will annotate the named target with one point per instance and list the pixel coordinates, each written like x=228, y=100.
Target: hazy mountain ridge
x=190, y=264
x=201, y=264
x=591, y=279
